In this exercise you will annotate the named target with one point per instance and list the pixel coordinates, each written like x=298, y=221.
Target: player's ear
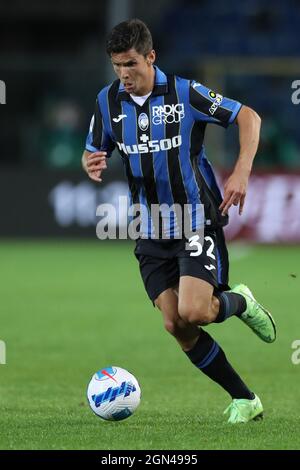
x=151, y=57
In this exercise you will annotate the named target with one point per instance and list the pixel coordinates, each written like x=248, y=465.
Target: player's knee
x=174, y=326
x=171, y=327
x=197, y=314
x=215, y=305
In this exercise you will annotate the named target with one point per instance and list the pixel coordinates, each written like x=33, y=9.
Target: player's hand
x=95, y=163
x=234, y=192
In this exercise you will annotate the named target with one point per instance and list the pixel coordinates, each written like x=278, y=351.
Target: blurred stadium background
x=62, y=289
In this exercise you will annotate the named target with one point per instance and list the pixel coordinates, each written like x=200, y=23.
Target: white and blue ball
x=113, y=393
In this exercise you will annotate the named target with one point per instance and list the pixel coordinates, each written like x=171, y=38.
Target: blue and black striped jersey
x=161, y=143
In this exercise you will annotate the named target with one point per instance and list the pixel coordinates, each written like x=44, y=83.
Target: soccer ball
x=113, y=393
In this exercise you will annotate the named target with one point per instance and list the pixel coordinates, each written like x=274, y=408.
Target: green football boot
x=256, y=316
x=241, y=410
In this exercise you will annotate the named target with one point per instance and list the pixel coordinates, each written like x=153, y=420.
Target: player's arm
x=211, y=107
x=98, y=147
x=236, y=186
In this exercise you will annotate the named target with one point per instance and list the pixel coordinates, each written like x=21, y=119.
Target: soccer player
x=157, y=122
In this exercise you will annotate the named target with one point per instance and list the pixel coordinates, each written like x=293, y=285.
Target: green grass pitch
x=70, y=308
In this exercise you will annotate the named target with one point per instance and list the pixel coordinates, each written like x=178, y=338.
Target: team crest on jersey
x=143, y=122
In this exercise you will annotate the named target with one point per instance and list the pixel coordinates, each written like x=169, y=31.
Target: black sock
x=211, y=360
x=230, y=304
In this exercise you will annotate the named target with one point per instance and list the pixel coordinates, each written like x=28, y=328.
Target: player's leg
x=195, y=301
x=201, y=304
x=201, y=348
x=185, y=333
x=202, y=298
x=159, y=276
x=207, y=355
x=203, y=281
x=198, y=305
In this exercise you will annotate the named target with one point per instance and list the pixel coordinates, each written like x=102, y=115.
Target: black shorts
x=162, y=262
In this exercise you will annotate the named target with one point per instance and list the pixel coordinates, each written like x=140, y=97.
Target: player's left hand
x=234, y=192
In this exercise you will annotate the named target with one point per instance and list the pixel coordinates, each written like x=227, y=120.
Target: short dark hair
x=131, y=34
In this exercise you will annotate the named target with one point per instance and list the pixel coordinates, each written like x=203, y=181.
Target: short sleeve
x=209, y=106
x=97, y=138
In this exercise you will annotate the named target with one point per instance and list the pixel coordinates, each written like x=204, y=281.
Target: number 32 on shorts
x=195, y=243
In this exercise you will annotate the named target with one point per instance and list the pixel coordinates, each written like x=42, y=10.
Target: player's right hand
x=94, y=164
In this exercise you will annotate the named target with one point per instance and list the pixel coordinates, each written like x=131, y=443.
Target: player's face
x=135, y=71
